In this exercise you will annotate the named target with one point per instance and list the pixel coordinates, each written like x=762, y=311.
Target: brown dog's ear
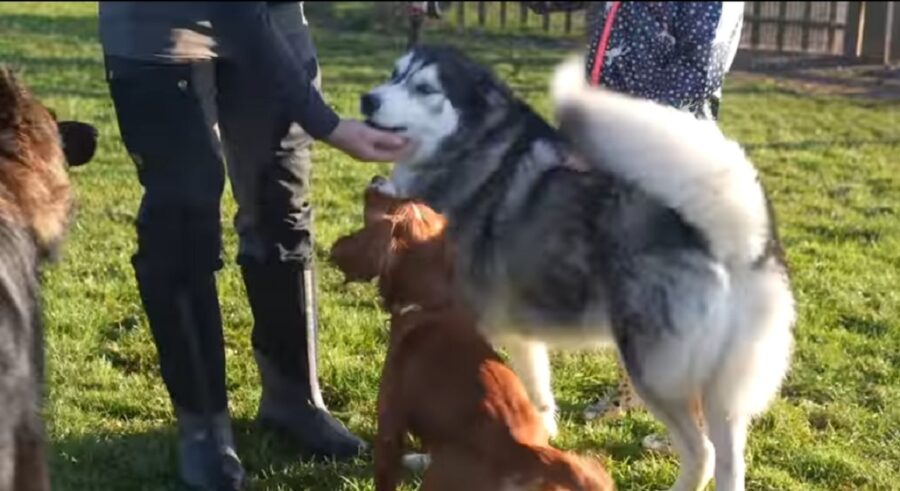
x=363, y=255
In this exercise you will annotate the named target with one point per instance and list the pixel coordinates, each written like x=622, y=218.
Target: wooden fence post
x=591, y=12
x=888, y=33
x=832, y=19
x=782, y=26
x=754, y=34
x=853, y=31
x=804, y=29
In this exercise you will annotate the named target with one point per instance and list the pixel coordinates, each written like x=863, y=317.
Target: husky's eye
x=425, y=89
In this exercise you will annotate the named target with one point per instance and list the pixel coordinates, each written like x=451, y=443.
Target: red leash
x=604, y=40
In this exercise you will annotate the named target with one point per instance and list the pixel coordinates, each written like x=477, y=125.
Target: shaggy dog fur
x=35, y=204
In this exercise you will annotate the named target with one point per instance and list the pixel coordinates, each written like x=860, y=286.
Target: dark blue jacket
x=676, y=53
x=242, y=32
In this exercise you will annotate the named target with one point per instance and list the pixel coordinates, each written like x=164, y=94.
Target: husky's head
x=434, y=92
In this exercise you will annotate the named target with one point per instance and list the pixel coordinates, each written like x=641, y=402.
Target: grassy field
x=831, y=164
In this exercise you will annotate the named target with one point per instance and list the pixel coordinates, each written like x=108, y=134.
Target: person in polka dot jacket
x=675, y=53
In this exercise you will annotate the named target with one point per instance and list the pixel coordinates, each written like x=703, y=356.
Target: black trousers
x=185, y=125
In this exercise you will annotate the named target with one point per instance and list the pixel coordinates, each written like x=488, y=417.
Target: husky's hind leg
x=684, y=421
x=753, y=366
x=728, y=433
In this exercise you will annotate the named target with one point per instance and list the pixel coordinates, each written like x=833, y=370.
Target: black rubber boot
x=187, y=329
x=282, y=298
x=207, y=459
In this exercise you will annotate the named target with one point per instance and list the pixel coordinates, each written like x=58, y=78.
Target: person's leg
x=164, y=114
x=269, y=160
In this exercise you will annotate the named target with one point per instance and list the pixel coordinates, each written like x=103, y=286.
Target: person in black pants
x=199, y=87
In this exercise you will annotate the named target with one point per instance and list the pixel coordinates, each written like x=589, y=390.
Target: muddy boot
x=282, y=298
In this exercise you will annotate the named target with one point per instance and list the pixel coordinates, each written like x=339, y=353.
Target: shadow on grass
x=844, y=234
x=819, y=144
x=112, y=460
x=148, y=461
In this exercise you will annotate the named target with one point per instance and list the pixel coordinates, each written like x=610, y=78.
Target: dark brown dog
x=35, y=204
x=441, y=380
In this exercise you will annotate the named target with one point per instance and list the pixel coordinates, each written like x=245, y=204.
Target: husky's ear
x=363, y=255
x=491, y=89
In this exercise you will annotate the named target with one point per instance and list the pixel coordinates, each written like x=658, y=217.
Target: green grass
x=830, y=163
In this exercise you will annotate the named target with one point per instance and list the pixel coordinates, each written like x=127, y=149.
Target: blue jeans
x=185, y=125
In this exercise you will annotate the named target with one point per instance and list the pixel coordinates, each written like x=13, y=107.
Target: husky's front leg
x=531, y=361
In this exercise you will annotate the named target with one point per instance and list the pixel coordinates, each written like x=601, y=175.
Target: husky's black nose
x=370, y=104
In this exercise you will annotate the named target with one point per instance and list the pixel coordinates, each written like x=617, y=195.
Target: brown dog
x=35, y=203
x=442, y=381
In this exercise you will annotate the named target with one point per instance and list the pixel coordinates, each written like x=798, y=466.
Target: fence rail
x=501, y=15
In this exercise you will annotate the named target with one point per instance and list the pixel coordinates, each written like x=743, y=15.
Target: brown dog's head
x=34, y=185
x=402, y=243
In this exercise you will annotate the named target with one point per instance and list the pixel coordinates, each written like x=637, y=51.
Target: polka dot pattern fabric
x=675, y=53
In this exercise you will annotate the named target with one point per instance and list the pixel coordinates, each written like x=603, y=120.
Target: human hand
x=363, y=142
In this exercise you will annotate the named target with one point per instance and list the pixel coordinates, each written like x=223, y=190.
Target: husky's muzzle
x=369, y=103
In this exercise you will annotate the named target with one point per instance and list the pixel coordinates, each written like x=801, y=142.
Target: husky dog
x=633, y=223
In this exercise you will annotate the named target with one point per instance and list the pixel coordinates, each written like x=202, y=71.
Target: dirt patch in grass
x=821, y=75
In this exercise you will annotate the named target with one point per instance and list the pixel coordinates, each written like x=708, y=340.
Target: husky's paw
x=417, y=462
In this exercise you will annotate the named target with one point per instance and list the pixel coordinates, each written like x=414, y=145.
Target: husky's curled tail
x=688, y=164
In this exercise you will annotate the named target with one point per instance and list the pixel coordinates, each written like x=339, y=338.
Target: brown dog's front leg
x=391, y=431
